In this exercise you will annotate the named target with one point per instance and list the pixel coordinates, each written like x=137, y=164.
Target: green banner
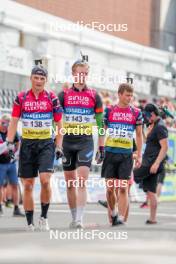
x=172, y=146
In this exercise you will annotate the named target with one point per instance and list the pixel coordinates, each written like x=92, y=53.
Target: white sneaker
x=79, y=224
x=43, y=224
x=73, y=224
x=31, y=228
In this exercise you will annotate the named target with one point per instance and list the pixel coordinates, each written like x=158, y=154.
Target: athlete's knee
x=28, y=186
x=123, y=190
x=71, y=184
x=81, y=182
x=45, y=184
x=110, y=191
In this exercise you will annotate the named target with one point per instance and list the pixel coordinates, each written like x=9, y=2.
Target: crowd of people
x=74, y=111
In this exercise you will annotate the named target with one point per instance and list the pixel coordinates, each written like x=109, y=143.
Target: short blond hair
x=125, y=87
x=79, y=64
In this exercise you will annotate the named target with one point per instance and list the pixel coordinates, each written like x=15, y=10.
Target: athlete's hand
x=138, y=162
x=10, y=146
x=100, y=155
x=59, y=153
x=12, y=155
x=154, y=168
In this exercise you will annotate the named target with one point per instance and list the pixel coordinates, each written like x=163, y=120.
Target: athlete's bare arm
x=12, y=129
x=59, y=136
x=139, y=143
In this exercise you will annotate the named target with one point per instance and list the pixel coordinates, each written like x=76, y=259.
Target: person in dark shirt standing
x=153, y=158
x=8, y=169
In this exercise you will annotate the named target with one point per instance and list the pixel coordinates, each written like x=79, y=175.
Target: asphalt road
x=97, y=243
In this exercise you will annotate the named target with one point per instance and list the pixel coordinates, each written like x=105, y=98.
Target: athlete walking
x=37, y=109
x=121, y=120
x=81, y=104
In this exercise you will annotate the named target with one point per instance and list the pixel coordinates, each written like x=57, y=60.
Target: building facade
x=27, y=34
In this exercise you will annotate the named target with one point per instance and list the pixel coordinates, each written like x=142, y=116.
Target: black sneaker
x=18, y=213
x=149, y=222
x=116, y=221
x=103, y=203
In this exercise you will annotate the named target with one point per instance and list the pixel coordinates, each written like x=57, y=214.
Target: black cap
x=39, y=70
x=151, y=108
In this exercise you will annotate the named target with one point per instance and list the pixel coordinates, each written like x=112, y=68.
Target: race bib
x=37, y=126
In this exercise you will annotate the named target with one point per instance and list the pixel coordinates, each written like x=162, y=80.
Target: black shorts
x=36, y=156
x=78, y=151
x=161, y=176
x=117, y=166
x=146, y=180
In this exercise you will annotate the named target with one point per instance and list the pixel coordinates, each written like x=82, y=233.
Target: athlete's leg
x=123, y=200
x=84, y=159
x=28, y=202
x=111, y=199
x=128, y=207
x=70, y=178
x=82, y=175
x=45, y=194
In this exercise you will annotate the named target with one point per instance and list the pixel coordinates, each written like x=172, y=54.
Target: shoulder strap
x=23, y=98
x=49, y=96
x=133, y=111
x=109, y=110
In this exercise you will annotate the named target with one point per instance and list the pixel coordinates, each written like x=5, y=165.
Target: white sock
x=73, y=213
x=114, y=212
x=79, y=215
x=121, y=218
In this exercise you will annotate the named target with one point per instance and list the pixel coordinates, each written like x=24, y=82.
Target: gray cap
x=39, y=70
